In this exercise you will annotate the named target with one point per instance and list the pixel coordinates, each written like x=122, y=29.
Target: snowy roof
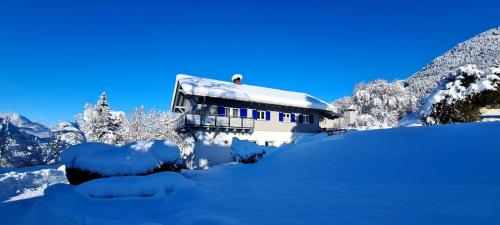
x=198, y=86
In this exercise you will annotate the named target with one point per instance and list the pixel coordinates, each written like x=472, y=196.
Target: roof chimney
x=237, y=78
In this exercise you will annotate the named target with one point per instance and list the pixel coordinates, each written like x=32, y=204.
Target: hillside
x=420, y=175
x=383, y=104
x=482, y=50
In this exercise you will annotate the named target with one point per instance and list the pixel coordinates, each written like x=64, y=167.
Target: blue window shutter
x=311, y=119
x=220, y=111
x=281, y=117
x=292, y=117
x=254, y=114
x=268, y=115
x=243, y=113
x=301, y=118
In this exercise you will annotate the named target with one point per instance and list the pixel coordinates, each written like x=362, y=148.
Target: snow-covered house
x=215, y=111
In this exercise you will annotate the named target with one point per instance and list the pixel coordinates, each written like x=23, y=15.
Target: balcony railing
x=188, y=120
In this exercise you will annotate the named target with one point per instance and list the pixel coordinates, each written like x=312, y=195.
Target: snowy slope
x=423, y=175
x=482, y=50
x=29, y=182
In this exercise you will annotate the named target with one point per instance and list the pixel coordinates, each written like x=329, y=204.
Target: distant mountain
x=482, y=50
x=26, y=126
x=26, y=143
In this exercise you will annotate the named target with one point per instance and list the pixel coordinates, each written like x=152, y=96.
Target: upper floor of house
x=208, y=103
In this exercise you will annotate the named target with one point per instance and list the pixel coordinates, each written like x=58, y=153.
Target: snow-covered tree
x=379, y=103
x=460, y=95
x=65, y=135
x=153, y=125
x=100, y=124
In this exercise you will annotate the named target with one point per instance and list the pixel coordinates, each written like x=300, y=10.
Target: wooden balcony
x=189, y=121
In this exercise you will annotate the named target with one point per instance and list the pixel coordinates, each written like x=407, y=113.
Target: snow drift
x=154, y=185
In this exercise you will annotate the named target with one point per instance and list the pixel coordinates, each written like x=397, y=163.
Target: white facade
x=213, y=147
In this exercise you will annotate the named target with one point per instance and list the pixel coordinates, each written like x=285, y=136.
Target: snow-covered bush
x=246, y=151
x=460, y=95
x=379, y=103
x=88, y=161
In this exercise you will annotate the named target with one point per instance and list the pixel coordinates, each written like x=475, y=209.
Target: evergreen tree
x=100, y=124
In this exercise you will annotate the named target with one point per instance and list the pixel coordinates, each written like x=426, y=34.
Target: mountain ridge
x=482, y=50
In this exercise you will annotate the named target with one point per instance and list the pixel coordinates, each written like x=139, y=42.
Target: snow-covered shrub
x=246, y=151
x=460, y=95
x=88, y=161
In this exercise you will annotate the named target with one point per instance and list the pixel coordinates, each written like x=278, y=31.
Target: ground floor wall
x=214, y=147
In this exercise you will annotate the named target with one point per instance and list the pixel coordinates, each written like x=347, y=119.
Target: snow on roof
x=198, y=86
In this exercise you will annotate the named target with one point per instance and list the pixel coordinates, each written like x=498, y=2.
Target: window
x=261, y=115
x=286, y=117
x=307, y=119
x=231, y=112
x=269, y=143
x=235, y=112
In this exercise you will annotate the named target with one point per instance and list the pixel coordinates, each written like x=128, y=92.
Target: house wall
x=210, y=107
x=214, y=147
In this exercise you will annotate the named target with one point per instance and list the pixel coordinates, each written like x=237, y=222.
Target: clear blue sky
x=57, y=55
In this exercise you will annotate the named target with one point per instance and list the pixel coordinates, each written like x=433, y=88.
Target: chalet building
x=214, y=112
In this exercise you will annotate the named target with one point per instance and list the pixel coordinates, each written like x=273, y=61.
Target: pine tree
x=100, y=124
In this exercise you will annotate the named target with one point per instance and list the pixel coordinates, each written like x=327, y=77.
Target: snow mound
x=247, y=151
x=18, y=184
x=154, y=185
x=131, y=159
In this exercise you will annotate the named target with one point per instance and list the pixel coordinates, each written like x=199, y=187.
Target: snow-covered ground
x=446, y=174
